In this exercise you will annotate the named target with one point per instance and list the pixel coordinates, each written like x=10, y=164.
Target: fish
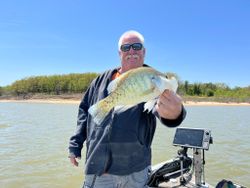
x=143, y=84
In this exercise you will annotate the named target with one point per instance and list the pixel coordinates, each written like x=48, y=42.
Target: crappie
x=138, y=85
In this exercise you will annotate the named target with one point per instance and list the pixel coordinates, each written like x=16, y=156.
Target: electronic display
x=192, y=138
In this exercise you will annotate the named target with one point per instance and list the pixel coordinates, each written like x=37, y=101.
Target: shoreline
x=193, y=103
x=45, y=101
x=76, y=101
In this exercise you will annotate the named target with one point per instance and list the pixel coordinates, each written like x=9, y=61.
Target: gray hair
x=132, y=32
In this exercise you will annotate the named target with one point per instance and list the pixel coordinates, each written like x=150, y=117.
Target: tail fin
x=99, y=111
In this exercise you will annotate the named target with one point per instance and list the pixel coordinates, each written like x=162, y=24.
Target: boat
x=185, y=170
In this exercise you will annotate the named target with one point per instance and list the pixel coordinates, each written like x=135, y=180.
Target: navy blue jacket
x=122, y=143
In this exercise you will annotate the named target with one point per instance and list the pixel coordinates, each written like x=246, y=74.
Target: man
x=119, y=150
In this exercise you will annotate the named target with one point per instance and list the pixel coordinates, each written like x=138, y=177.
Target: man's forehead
x=131, y=38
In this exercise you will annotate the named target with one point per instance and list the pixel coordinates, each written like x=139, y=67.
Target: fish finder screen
x=189, y=137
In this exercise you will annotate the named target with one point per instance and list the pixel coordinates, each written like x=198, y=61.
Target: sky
x=201, y=41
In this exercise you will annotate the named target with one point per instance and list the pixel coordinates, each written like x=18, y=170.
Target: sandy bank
x=72, y=101
x=193, y=103
x=46, y=101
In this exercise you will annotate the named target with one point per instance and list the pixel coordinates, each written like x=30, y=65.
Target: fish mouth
x=134, y=56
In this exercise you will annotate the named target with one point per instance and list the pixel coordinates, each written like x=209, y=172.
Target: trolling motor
x=198, y=140
x=180, y=167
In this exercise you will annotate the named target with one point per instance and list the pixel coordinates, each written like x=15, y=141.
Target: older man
x=119, y=150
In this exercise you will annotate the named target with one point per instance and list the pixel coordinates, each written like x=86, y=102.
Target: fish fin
x=149, y=105
x=113, y=85
x=99, y=111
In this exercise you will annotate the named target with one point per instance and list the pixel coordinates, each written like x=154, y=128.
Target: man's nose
x=131, y=50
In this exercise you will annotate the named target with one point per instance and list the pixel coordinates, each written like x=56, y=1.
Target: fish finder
x=190, y=170
x=192, y=138
x=198, y=140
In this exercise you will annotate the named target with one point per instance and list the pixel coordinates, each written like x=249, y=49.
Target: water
x=34, y=140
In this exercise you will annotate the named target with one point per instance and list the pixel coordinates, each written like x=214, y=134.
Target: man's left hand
x=169, y=105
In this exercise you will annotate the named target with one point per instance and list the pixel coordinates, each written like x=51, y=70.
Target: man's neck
x=123, y=70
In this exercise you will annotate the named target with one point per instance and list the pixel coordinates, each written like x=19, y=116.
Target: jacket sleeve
x=77, y=140
x=172, y=122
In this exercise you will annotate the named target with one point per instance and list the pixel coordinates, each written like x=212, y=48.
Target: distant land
x=72, y=86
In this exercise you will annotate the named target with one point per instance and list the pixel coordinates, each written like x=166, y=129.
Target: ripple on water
x=34, y=141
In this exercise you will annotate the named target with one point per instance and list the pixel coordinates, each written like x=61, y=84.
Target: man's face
x=132, y=58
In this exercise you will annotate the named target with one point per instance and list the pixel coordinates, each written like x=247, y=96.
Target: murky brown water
x=34, y=141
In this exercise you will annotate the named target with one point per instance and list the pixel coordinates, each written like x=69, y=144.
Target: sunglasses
x=135, y=46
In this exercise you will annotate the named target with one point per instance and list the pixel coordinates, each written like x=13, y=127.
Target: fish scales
x=135, y=86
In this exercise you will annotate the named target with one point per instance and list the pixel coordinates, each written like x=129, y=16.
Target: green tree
x=186, y=87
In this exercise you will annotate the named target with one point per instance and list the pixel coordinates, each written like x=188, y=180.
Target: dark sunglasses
x=135, y=46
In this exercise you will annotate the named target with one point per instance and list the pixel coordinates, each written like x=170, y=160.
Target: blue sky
x=201, y=41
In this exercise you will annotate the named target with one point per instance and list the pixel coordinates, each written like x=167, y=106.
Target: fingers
x=169, y=105
x=74, y=161
x=166, y=97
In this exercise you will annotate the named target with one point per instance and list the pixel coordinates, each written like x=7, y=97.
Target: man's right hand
x=74, y=159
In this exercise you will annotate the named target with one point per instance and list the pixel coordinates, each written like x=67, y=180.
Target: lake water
x=34, y=141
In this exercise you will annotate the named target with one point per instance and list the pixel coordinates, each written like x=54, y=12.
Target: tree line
x=55, y=84
x=216, y=92
x=78, y=83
